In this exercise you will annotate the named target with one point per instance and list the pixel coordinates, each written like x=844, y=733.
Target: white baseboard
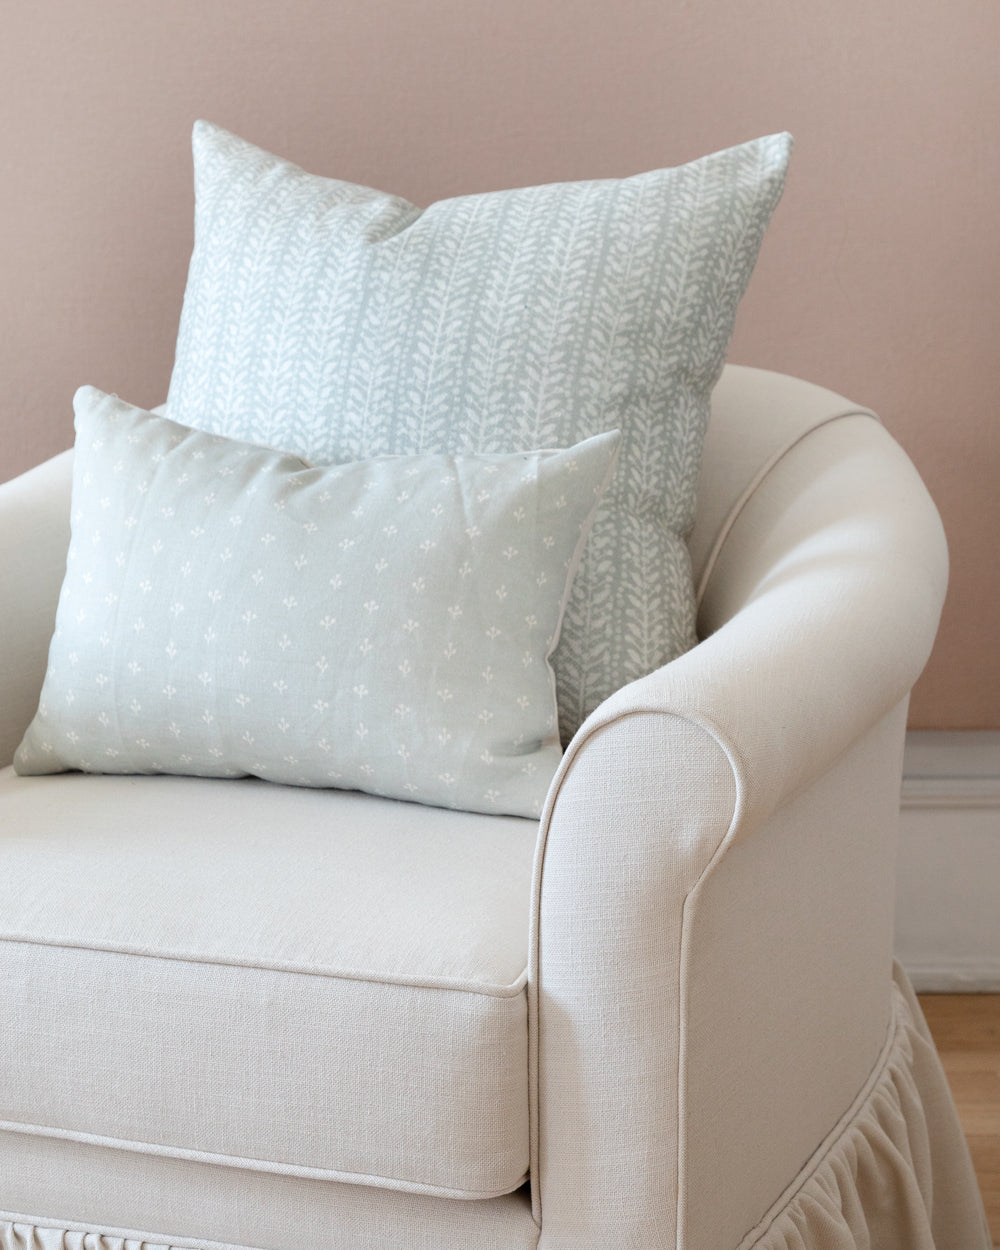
x=948, y=880
x=951, y=978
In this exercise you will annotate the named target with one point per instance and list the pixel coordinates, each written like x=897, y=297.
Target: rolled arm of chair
x=34, y=537
x=718, y=790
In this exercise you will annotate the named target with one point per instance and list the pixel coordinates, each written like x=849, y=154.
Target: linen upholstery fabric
x=383, y=625
x=34, y=535
x=276, y=1212
x=773, y=413
x=747, y=725
x=340, y=322
x=287, y=981
x=874, y=1162
x=787, y=711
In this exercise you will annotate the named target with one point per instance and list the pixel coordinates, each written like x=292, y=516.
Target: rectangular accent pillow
x=383, y=625
x=340, y=322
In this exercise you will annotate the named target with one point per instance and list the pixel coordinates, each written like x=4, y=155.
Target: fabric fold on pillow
x=383, y=625
x=340, y=322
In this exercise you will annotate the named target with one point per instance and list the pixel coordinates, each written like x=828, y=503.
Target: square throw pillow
x=383, y=625
x=339, y=322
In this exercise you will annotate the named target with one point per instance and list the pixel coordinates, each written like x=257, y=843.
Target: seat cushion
x=316, y=983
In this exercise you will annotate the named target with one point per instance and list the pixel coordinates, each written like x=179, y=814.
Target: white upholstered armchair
x=246, y=1015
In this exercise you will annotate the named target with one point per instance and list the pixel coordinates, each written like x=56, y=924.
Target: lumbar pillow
x=383, y=625
x=339, y=322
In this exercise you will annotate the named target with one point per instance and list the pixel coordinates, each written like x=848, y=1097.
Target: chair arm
x=34, y=537
x=755, y=776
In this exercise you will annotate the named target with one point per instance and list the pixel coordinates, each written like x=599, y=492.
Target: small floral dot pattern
x=383, y=625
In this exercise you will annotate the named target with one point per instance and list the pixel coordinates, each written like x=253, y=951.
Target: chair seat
x=314, y=983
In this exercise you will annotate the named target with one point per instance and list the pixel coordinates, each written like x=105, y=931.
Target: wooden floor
x=966, y=1029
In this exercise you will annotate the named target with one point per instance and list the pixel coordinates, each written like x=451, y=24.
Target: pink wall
x=880, y=277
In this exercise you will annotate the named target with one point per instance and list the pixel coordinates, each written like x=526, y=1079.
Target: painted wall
x=880, y=277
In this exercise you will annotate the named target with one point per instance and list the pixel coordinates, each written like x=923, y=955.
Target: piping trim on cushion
x=513, y=990
x=261, y=1165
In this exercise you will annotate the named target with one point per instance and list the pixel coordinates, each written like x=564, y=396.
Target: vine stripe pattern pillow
x=383, y=625
x=338, y=322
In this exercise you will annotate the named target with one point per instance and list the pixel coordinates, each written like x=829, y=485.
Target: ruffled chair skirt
x=895, y=1174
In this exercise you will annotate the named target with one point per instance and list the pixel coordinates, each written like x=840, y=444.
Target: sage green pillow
x=339, y=322
x=383, y=625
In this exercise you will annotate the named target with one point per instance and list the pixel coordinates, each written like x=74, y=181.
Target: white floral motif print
x=376, y=647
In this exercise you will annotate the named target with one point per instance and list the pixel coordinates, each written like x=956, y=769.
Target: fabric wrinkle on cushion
x=384, y=625
x=339, y=322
